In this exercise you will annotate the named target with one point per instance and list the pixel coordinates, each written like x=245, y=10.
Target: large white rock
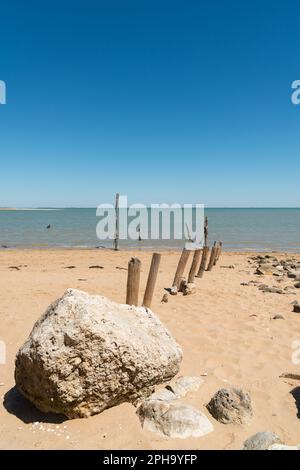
x=87, y=353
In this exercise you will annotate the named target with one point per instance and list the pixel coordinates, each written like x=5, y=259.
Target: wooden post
x=194, y=266
x=181, y=267
x=206, y=231
x=202, y=266
x=133, y=281
x=218, y=251
x=212, y=257
x=116, y=240
x=151, y=280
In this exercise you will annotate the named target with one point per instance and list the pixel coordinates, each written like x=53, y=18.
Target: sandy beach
x=226, y=330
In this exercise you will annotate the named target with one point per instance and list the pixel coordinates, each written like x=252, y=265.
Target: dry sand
x=226, y=331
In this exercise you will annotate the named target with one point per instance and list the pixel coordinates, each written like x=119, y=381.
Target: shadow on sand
x=17, y=405
x=296, y=395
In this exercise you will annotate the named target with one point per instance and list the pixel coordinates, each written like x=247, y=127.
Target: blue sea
x=239, y=230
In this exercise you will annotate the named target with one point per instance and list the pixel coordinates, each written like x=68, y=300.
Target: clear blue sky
x=166, y=101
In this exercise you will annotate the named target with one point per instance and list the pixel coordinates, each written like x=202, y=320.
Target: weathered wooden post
x=212, y=257
x=180, y=269
x=133, y=281
x=205, y=250
x=206, y=231
x=116, y=240
x=218, y=252
x=202, y=267
x=152, y=276
x=194, y=267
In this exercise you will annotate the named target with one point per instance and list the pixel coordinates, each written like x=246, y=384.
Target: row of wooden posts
x=196, y=270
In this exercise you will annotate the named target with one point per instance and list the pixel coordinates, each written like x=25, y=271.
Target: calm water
x=239, y=229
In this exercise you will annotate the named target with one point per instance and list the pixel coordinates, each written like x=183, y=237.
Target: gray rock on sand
x=261, y=441
x=265, y=269
x=87, y=353
x=175, y=420
x=163, y=394
x=178, y=389
x=231, y=406
x=184, y=385
x=271, y=290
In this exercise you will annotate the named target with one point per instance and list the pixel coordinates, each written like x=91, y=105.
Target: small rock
x=297, y=285
x=96, y=266
x=183, y=385
x=265, y=269
x=187, y=288
x=175, y=420
x=271, y=290
x=231, y=406
x=278, y=317
x=173, y=290
x=296, y=306
x=261, y=441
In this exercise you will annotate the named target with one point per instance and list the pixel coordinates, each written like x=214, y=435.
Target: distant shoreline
x=27, y=209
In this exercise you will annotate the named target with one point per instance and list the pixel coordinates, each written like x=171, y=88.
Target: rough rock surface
x=231, y=406
x=87, y=353
x=175, y=420
x=261, y=441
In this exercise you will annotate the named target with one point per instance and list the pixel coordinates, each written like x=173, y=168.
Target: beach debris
x=17, y=268
x=290, y=375
x=174, y=420
x=87, y=353
x=69, y=267
x=296, y=306
x=230, y=266
x=81, y=279
x=283, y=447
x=278, y=317
x=120, y=267
x=231, y=406
x=261, y=441
x=184, y=385
x=165, y=298
x=96, y=266
x=48, y=226
x=187, y=288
